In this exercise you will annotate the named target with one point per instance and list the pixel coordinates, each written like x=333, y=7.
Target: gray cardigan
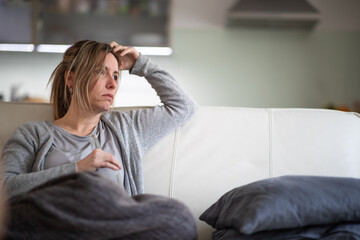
x=136, y=131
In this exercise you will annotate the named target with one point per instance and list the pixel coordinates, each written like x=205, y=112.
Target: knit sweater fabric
x=136, y=131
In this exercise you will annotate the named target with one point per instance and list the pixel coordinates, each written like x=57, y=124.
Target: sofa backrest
x=221, y=148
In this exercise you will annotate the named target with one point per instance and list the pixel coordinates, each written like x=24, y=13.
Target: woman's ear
x=69, y=79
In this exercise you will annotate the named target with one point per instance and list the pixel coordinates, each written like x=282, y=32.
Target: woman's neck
x=80, y=123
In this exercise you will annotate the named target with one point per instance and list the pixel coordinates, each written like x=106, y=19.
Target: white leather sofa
x=221, y=148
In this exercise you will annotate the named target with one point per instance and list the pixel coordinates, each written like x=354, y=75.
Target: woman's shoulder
x=35, y=132
x=35, y=126
x=124, y=119
x=115, y=115
x=125, y=114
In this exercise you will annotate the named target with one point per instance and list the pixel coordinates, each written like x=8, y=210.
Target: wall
x=234, y=67
x=271, y=69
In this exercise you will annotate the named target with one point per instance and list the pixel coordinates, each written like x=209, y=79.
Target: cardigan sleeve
x=23, y=156
x=151, y=124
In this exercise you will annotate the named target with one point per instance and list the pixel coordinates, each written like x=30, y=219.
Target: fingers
x=117, y=47
x=127, y=50
x=104, y=159
x=113, y=44
x=98, y=159
x=124, y=50
x=110, y=165
x=128, y=55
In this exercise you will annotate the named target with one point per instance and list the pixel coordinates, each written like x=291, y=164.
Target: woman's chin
x=102, y=108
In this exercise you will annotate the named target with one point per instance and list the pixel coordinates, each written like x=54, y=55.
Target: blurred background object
x=296, y=14
x=272, y=64
x=356, y=106
x=65, y=22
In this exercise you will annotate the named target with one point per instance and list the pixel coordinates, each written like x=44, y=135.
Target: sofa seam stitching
x=173, y=163
x=271, y=144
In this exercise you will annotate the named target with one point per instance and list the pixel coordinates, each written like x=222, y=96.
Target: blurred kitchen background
x=243, y=53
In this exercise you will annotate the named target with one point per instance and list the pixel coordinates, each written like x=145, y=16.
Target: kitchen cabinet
x=129, y=22
x=15, y=21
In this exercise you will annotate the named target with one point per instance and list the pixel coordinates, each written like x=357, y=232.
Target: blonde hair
x=80, y=59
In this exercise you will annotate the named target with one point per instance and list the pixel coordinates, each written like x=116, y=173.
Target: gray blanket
x=87, y=206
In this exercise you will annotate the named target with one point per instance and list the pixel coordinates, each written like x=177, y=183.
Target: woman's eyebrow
x=107, y=69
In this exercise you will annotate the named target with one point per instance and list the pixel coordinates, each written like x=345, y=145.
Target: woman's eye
x=116, y=77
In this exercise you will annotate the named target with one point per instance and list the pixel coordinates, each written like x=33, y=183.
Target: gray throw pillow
x=286, y=202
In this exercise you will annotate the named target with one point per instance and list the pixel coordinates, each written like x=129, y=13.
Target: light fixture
x=155, y=51
x=52, y=48
x=11, y=47
x=58, y=48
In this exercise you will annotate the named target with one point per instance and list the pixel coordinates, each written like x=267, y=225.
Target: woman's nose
x=111, y=82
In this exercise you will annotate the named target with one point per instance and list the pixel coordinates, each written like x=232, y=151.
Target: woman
x=86, y=137
x=84, y=87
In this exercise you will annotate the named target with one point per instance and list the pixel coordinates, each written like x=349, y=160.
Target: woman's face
x=104, y=84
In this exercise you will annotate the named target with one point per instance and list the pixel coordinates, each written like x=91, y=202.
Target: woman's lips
x=109, y=96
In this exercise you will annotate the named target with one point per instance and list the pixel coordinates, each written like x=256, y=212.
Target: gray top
x=23, y=156
x=67, y=148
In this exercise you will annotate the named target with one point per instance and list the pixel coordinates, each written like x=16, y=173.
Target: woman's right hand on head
x=128, y=55
x=98, y=159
